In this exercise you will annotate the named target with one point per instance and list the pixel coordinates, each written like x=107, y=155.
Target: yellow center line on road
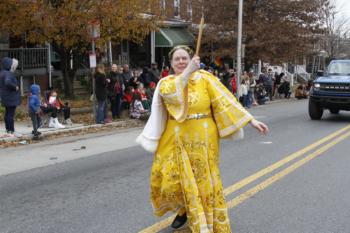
x=280, y=163
x=166, y=222
x=251, y=192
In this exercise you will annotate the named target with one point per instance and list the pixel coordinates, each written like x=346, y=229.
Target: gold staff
x=201, y=25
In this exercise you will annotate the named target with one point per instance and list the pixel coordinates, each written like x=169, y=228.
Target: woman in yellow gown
x=191, y=111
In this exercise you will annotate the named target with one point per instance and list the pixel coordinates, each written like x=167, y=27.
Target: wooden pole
x=201, y=25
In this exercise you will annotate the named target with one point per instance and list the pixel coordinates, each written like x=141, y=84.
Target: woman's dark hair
x=184, y=47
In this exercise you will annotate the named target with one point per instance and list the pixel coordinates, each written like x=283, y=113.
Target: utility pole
x=93, y=51
x=239, y=45
x=94, y=34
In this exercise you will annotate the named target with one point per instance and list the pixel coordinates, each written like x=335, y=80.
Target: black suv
x=331, y=91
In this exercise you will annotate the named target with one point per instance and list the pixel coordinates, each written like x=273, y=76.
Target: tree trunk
x=67, y=72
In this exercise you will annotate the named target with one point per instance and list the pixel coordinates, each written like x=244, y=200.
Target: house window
x=177, y=8
x=163, y=4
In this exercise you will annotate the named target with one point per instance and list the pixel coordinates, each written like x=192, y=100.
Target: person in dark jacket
x=101, y=93
x=34, y=109
x=9, y=91
x=116, y=88
x=145, y=77
x=127, y=75
x=226, y=78
x=154, y=73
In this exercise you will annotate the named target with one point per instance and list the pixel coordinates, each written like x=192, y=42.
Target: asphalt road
x=108, y=191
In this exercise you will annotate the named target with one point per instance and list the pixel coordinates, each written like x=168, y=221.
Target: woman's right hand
x=192, y=66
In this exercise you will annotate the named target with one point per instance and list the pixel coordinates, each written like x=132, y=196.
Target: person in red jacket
x=127, y=97
x=234, y=83
x=165, y=71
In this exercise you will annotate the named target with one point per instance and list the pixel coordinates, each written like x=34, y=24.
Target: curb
x=118, y=124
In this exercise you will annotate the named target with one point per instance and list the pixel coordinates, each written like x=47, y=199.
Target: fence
x=29, y=58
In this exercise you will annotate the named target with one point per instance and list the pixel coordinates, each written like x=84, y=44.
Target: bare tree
x=336, y=33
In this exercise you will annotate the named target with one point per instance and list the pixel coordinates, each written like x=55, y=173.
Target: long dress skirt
x=186, y=178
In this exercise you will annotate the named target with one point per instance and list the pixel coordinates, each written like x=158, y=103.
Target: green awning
x=170, y=37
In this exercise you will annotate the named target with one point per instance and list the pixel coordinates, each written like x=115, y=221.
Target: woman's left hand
x=261, y=127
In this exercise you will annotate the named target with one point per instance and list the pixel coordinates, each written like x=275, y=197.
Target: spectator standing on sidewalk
x=115, y=90
x=145, y=77
x=154, y=73
x=34, y=109
x=10, y=95
x=284, y=87
x=251, y=91
x=101, y=93
x=233, y=82
x=226, y=78
x=127, y=75
x=267, y=80
x=243, y=93
x=270, y=83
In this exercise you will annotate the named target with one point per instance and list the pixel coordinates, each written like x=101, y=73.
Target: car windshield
x=339, y=68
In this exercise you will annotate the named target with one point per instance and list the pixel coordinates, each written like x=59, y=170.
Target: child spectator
x=51, y=108
x=55, y=101
x=34, y=109
x=243, y=93
x=127, y=97
x=142, y=92
x=137, y=110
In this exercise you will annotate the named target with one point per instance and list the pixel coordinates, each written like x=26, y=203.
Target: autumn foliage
x=64, y=23
x=273, y=30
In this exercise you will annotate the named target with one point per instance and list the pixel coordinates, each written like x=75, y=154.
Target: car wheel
x=315, y=111
x=334, y=111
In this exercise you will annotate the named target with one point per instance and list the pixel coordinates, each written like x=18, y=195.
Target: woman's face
x=180, y=60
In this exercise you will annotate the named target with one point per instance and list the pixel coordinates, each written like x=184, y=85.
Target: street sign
x=92, y=59
x=94, y=29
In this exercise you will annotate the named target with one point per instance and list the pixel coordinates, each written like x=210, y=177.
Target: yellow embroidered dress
x=185, y=173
